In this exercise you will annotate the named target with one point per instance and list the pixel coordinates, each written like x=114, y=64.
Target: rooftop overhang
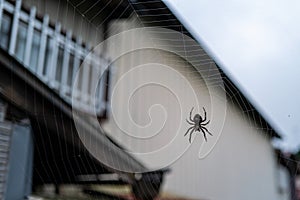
x=58, y=145
x=100, y=12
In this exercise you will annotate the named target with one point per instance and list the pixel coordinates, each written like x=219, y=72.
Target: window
x=36, y=37
x=48, y=54
x=71, y=69
x=90, y=79
x=21, y=40
x=5, y=31
x=80, y=75
x=59, y=64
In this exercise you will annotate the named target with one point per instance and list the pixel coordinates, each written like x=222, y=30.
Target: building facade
x=237, y=162
x=45, y=43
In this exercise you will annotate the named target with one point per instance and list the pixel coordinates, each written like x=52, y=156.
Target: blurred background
x=138, y=99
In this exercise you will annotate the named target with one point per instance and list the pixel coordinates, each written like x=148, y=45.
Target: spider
x=198, y=125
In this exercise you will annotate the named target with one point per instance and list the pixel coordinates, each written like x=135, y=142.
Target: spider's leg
x=190, y=139
x=207, y=131
x=188, y=130
x=189, y=122
x=191, y=115
x=205, y=123
x=204, y=134
x=204, y=114
x=205, y=137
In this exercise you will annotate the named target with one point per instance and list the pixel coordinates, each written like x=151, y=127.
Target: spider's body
x=198, y=125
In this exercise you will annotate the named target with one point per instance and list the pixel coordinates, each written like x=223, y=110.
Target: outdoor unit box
x=16, y=161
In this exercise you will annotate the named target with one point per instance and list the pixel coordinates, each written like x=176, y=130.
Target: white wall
x=241, y=165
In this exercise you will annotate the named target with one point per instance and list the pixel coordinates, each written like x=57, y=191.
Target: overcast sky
x=258, y=44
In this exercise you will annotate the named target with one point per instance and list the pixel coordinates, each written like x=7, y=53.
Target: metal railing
x=54, y=57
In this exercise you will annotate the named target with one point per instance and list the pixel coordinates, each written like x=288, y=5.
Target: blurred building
x=241, y=165
x=298, y=187
x=43, y=44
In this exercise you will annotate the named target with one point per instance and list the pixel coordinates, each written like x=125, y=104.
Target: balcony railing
x=54, y=57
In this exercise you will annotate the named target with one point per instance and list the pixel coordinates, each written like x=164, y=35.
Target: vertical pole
x=103, y=89
x=57, y=191
x=65, y=68
x=85, y=77
x=96, y=67
x=29, y=37
x=103, y=86
x=1, y=11
x=14, y=30
x=107, y=90
x=43, y=46
x=75, y=87
x=52, y=68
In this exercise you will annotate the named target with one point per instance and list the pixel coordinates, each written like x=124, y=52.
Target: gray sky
x=258, y=44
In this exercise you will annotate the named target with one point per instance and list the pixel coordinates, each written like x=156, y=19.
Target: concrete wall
x=242, y=163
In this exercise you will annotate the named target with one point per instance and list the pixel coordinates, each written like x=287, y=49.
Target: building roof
x=155, y=13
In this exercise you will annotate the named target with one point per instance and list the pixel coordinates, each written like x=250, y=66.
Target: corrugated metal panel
x=19, y=174
x=5, y=137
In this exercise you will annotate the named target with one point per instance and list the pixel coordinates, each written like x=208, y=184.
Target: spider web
x=154, y=14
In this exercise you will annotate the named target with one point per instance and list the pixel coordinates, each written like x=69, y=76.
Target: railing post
x=14, y=30
x=103, y=86
x=98, y=67
x=108, y=88
x=65, y=65
x=1, y=11
x=85, y=77
x=95, y=66
x=43, y=47
x=76, y=67
x=52, y=68
x=29, y=38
